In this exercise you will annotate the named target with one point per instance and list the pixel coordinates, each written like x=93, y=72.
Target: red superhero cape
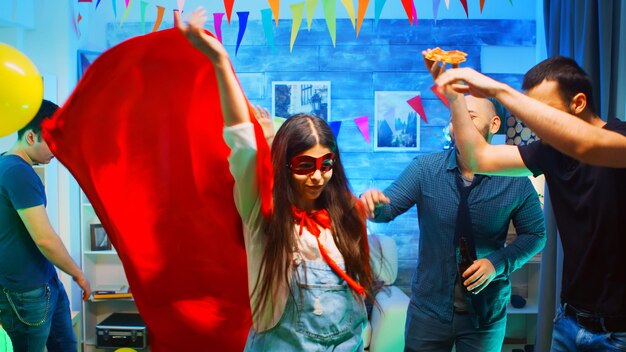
x=142, y=135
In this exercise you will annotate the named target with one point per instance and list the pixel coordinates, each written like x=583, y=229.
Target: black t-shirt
x=588, y=204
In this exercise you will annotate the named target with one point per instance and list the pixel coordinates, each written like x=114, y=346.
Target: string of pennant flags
x=270, y=17
x=272, y=14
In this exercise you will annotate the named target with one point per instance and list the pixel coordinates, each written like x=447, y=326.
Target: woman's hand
x=195, y=33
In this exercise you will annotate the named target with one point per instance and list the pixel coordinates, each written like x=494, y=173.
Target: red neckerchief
x=322, y=218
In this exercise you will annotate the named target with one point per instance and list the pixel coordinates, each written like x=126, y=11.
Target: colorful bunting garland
x=335, y=126
x=464, y=3
x=378, y=8
x=228, y=5
x=349, y=5
x=159, y=19
x=331, y=18
x=275, y=6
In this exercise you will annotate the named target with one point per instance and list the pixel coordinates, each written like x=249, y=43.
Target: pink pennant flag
x=217, y=24
x=440, y=95
x=228, y=5
x=363, y=124
x=416, y=104
x=181, y=4
x=85, y=0
x=126, y=2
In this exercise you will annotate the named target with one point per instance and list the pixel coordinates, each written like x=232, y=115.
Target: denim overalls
x=322, y=315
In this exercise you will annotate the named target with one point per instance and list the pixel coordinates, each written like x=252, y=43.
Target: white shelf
x=527, y=309
x=101, y=268
x=111, y=252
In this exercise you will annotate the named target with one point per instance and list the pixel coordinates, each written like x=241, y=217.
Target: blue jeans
x=569, y=336
x=322, y=315
x=424, y=333
x=38, y=318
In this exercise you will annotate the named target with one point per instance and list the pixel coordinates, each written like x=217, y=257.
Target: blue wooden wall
x=386, y=57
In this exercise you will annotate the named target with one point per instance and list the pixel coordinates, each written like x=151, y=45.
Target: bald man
x=451, y=308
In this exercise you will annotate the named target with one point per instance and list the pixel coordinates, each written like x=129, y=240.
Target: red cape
x=142, y=135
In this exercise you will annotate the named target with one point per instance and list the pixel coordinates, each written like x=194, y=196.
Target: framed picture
x=294, y=97
x=99, y=239
x=85, y=59
x=396, y=124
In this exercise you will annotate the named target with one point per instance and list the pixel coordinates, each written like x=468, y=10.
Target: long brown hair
x=299, y=133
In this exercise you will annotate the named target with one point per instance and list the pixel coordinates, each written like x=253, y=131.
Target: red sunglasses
x=305, y=165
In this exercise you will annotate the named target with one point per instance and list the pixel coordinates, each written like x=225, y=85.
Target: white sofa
x=385, y=330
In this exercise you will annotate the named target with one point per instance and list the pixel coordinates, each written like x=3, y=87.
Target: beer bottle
x=466, y=260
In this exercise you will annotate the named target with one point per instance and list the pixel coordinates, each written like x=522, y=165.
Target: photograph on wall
x=99, y=239
x=85, y=59
x=396, y=125
x=295, y=97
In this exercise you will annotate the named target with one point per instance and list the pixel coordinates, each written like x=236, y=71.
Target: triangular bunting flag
x=408, y=8
x=361, y=15
x=266, y=16
x=464, y=3
x=440, y=95
x=114, y=9
x=436, y=8
x=349, y=5
x=310, y=11
x=143, y=6
x=127, y=11
x=416, y=104
x=181, y=4
x=127, y=3
x=448, y=4
x=80, y=18
x=331, y=18
x=378, y=7
x=297, y=10
x=335, y=126
x=275, y=6
x=363, y=124
x=228, y=5
x=217, y=24
x=414, y=14
x=97, y=3
x=482, y=4
x=243, y=23
x=159, y=19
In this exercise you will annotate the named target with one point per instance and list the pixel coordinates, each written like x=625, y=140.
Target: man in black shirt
x=584, y=161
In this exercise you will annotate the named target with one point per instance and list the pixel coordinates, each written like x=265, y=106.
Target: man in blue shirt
x=448, y=310
x=34, y=308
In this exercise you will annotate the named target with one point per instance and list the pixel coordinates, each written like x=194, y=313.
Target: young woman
x=308, y=263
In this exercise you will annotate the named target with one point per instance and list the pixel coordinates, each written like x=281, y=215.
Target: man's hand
x=468, y=81
x=373, y=198
x=479, y=275
x=264, y=118
x=84, y=284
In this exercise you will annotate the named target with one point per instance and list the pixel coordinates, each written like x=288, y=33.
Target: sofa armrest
x=389, y=320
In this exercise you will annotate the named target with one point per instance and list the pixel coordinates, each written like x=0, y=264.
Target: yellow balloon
x=21, y=90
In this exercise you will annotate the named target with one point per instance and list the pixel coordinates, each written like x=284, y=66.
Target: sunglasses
x=305, y=165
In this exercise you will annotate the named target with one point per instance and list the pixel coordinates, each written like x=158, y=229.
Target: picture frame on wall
x=99, y=239
x=85, y=59
x=396, y=124
x=294, y=97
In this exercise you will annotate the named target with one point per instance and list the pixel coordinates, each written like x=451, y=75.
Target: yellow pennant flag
x=310, y=10
x=297, y=11
x=350, y=8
